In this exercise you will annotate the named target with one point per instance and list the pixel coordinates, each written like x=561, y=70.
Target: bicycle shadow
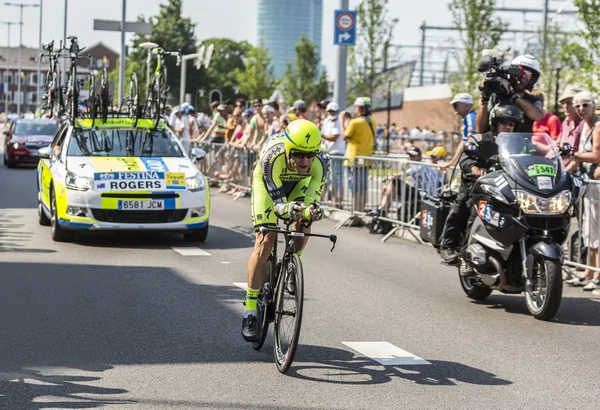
x=337, y=366
x=22, y=387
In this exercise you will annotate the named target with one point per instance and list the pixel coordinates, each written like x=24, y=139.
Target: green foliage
x=479, y=30
x=550, y=61
x=368, y=57
x=304, y=82
x=257, y=80
x=581, y=57
x=172, y=32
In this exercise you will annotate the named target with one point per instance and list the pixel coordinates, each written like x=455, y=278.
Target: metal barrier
x=391, y=185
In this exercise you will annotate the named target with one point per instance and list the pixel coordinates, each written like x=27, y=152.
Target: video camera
x=494, y=72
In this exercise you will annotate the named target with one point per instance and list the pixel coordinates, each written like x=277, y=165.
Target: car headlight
x=16, y=145
x=533, y=204
x=195, y=183
x=78, y=183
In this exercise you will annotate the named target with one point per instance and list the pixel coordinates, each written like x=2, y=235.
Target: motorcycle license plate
x=130, y=205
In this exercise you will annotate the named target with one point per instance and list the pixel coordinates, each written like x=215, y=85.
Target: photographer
x=503, y=118
x=510, y=85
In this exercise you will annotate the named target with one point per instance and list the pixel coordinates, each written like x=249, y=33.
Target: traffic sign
x=344, y=32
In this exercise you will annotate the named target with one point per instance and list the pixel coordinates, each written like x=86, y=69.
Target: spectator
x=275, y=106
x=257, y=126
x=272, y=125
x=178, y=124
x=572, y=124
x=300, y=109
x=286, y=119
x=217, y=128
x=232, y=124
x=550, y=123
x=360, y=135
x=588, y=156
x=241, y=104
x=463, y=107
x=334, y=145
x=229, y=107
x=392, y=131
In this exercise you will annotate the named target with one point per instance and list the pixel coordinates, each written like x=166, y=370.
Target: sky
x=236, y=19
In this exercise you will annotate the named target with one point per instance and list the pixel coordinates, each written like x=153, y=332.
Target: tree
x=479, y=30
x=372, y=52
x=172, y=32
x=581, y=57
x=304, y=81
x=130, y=68
x=257, y=78
x=550, y=61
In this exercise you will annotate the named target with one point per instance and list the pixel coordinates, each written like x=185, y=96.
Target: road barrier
x=389, y=188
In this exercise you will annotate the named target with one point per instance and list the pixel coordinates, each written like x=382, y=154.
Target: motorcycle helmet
x=506, y=112
x=530, y=63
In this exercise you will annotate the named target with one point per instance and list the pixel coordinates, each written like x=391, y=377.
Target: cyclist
x=287, y=184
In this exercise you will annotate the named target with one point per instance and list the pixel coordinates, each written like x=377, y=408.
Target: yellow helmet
x=302, y=135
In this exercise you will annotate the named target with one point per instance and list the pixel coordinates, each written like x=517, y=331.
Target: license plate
x=141, y=205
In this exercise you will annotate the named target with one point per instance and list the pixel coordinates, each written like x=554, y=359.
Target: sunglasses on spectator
x=302, y=154
x=506, y=122
x=584, y=105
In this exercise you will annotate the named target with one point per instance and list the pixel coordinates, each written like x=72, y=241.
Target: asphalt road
x=124, y=321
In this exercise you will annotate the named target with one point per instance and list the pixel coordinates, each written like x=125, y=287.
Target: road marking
x=225, y=262
x=191, y=252
x=242, y=285
x=386, y=353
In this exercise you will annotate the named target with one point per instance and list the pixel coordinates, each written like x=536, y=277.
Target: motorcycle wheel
x=474, y=290
x=543, y=295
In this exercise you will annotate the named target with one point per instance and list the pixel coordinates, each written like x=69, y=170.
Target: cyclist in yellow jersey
x=287, y=184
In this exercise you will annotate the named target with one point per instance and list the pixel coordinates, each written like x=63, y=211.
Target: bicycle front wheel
x=288, y=313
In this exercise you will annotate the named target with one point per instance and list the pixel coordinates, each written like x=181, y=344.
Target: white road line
x=386, y=353
x=242, y=285
x=191, y=252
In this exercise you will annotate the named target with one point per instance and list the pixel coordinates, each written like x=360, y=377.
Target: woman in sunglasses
x=588, y=158
x=287, y=184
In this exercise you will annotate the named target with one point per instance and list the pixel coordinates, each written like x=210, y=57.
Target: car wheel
x=197, y=235
x=42, y=217
x=58, y=234
x=7, y=162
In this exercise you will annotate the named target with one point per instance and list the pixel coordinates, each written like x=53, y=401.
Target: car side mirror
x=45, y=153
x=198, y=154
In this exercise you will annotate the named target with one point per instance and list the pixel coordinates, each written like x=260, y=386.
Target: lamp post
x=21, y=6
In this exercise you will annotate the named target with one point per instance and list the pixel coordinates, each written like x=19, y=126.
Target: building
x=281, y=23
x=9, y=64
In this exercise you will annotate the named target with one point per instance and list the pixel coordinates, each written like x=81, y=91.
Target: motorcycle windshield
x=532, y=160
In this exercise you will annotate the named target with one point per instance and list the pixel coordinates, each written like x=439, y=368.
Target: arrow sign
x=344, y=27
x=342, y=38
x=208, y=55
x=200, y=52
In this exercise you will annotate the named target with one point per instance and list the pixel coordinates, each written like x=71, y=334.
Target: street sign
x=344, y=33
x=208, y=56
x=130, y=27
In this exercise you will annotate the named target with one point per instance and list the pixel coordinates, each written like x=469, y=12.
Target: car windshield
x=36, y=128
x=110, y=142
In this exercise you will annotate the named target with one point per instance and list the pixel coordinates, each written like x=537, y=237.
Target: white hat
x=332, y=106
x=268, y=109
x=463, y=98
x=360, y=102
x=221, y=107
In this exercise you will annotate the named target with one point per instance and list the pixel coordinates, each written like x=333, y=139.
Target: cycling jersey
x=468, y=125
x=273, y=182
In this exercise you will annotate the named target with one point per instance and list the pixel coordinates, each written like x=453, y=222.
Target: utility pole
x=8, y=24
x=342, y=61
x=123, y=57
x=423, y=28
x=63, y=62
x=545, y=31
x=38, y=100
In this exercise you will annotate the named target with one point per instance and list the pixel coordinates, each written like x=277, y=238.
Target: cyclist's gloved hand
x=287, y=211
x=317, y=210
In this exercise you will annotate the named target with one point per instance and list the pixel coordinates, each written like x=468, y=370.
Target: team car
x=120, y=174
x=24, y=138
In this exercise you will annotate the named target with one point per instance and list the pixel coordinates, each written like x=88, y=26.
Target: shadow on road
x=218, y=238
x=580, y=311
x=12, y=237
x=95, y=317
x=344, y=367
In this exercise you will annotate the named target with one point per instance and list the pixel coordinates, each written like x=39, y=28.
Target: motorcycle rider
x=515, y=92
x=503, y=118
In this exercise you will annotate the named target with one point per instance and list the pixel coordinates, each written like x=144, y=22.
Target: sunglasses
x=584, y=105
x=302, y=155
x=506, y=122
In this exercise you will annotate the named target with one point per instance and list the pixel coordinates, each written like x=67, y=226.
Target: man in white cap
x=336, y=146
x=572, y=124
x=463, y=107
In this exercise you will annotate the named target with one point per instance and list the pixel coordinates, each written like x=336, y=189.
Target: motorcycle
x=523, y=217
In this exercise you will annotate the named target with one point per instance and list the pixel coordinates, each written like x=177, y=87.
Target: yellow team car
x=116, y=175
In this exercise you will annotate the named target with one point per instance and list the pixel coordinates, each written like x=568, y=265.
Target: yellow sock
x=299, y=253
x=251, y=296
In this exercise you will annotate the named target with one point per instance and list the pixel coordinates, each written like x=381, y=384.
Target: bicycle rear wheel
x=104, y=94
x=264, y=302
x=133, y=101
x=288, y=314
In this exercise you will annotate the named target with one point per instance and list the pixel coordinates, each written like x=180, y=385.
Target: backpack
x=379, y=226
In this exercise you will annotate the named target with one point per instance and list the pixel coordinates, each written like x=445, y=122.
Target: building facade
x=281, y=23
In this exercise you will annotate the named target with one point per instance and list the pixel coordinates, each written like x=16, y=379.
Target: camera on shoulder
x=495, y=72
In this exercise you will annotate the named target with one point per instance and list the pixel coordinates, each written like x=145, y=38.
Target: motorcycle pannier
x=433, y=218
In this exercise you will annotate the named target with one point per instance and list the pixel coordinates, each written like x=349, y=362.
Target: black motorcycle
x=523, y=217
